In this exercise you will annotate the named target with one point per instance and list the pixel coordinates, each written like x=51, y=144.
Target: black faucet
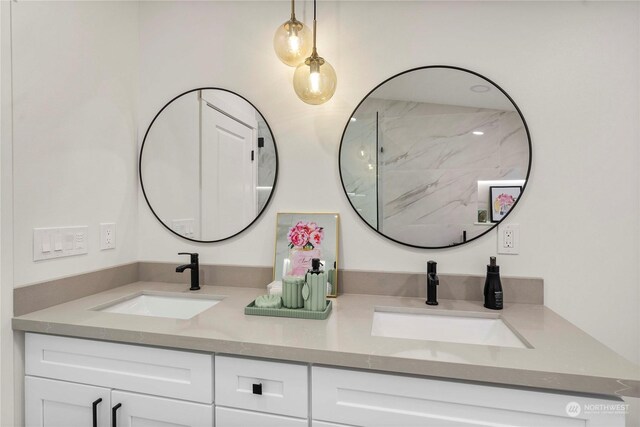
x=195, y=270
x=432, y=283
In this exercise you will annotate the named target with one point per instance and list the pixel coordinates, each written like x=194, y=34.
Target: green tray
x=296, y=313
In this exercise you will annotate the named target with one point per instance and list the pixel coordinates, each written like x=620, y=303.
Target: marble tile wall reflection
x=432, y=161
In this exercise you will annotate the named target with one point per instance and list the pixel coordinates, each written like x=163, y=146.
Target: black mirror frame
x=275, y=179
x=524, y=186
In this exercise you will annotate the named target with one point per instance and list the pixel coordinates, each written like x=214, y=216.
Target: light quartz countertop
x=563, y=357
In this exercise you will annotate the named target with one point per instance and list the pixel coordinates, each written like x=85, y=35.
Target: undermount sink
x=447, y=326
x=161, y=304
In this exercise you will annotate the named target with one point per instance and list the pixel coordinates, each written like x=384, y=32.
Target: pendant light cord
x=314, y=27
x=293, y=9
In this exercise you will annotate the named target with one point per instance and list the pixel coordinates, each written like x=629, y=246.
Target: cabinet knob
x=257, y=389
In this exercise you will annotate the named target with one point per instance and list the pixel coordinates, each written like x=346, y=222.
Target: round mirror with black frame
x=208, y=165
x=435, y=157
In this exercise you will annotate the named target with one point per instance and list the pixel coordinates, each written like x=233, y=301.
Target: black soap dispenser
x=493, y=286
x=315, y=266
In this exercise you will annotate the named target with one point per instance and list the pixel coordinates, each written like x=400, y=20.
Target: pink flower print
x=503, y=203
x=305, y=235
x=300, y=225
x=316, y=236
x=298, y=236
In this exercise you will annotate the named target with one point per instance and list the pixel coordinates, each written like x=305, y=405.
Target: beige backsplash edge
x=452, y=286
x=210, y=274
x=42, y=295
x=461, y=287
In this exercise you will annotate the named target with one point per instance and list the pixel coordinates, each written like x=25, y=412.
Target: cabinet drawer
x=370, y=399
x=171, y=373
x=227, y=417
x=284, y=386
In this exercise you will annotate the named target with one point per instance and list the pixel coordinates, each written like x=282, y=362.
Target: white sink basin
x=161, y=304
x=447, y=326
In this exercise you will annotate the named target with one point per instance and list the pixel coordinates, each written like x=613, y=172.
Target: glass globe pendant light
x=315, y=79
x=292, y=40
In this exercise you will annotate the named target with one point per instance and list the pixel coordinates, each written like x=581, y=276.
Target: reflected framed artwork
x=502, y=200
x=302, y=236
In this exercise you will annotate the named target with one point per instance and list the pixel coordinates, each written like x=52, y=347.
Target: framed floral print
x=502, y=200
x=300, y=237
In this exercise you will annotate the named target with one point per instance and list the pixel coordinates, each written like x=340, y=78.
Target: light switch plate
x=107, y=235
x=509, y=239
x=58, y=242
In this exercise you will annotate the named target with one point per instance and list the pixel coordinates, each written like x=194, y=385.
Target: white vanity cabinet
x=138, y=386
x=70, y=382
x=356, y=398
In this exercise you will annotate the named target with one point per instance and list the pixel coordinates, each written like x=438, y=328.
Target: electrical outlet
x=509, y=239
x=107, y=236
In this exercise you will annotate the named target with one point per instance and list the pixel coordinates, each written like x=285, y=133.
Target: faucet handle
x=431, y=267
x=194, y=256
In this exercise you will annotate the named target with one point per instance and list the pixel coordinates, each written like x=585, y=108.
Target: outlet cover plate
x=107, y=235
x=509, y=239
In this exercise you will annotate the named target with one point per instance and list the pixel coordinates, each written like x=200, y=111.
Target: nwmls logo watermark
x=574, y=409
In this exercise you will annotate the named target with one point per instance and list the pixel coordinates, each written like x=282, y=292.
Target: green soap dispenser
x=314, y=291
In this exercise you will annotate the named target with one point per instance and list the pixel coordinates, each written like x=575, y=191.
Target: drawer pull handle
x=257, y=389
x=95, y=412
x=114, y=417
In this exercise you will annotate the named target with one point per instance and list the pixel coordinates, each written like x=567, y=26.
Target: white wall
x=572, y=67
x=75, y=76
x=171, y=162
x=69, y=129
x=7, y=371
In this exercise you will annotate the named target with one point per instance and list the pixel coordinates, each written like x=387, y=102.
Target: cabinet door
x=138, y=410
x=51, y=403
